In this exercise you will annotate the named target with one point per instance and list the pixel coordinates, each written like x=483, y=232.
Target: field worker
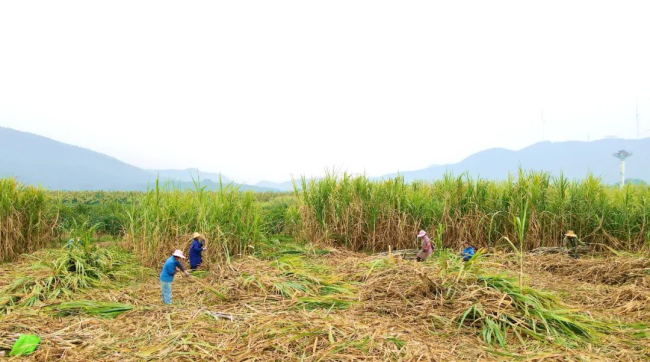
x=172, y=265
x=468, y=251
x=571, y=241
x=72, y=242
x=426, y=248
x=195, y=250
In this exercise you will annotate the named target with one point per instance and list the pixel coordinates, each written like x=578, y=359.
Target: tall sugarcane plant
x=372, y=215
x=163, y=218
x=27, y=219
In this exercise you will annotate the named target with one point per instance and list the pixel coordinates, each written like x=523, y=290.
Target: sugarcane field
x=343, y=268
x=325, y=181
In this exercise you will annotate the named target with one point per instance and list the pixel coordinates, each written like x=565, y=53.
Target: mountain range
x=55, y=165
x=574, y=159
x=38, y=160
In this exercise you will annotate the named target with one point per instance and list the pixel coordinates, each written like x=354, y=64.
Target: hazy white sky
x=266, y=89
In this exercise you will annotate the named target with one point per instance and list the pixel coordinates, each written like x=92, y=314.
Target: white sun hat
x=422, y=233
x=179, y=254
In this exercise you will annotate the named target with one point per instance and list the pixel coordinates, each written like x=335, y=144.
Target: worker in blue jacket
x=468, y=251
x=195, y=250
x=172, y=265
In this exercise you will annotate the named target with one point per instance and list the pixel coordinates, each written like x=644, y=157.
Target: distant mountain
x=212, y=185
x=283, y=186
x=574, y=159
x=189, y=175
x=38, y=160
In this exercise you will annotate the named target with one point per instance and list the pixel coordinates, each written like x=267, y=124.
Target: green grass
x=60, y=273
x=532, y=313
x=324, y=302
x=90, y=307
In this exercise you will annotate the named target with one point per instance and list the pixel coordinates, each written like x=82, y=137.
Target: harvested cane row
x=618, y=285
x=611, y=271
x=308, y=304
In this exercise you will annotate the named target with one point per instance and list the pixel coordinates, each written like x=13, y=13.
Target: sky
x=267, y=90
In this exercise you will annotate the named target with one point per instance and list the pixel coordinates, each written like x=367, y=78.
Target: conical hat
x=179, y=254
x=571, y=234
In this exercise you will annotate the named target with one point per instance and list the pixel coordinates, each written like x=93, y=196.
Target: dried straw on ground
x=339, y=306
x=612, y=271
x=616, y=285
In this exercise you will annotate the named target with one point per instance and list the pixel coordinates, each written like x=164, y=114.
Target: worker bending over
x=171, y=266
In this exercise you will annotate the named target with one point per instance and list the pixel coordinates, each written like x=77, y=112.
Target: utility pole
x=622, y=155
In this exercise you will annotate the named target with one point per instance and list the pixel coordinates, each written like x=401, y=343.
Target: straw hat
x=179, y=254
x=422, y=233
x=196, y=235
x=571, y=234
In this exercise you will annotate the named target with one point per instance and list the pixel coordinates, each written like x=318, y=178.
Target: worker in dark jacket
x=195, y=250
